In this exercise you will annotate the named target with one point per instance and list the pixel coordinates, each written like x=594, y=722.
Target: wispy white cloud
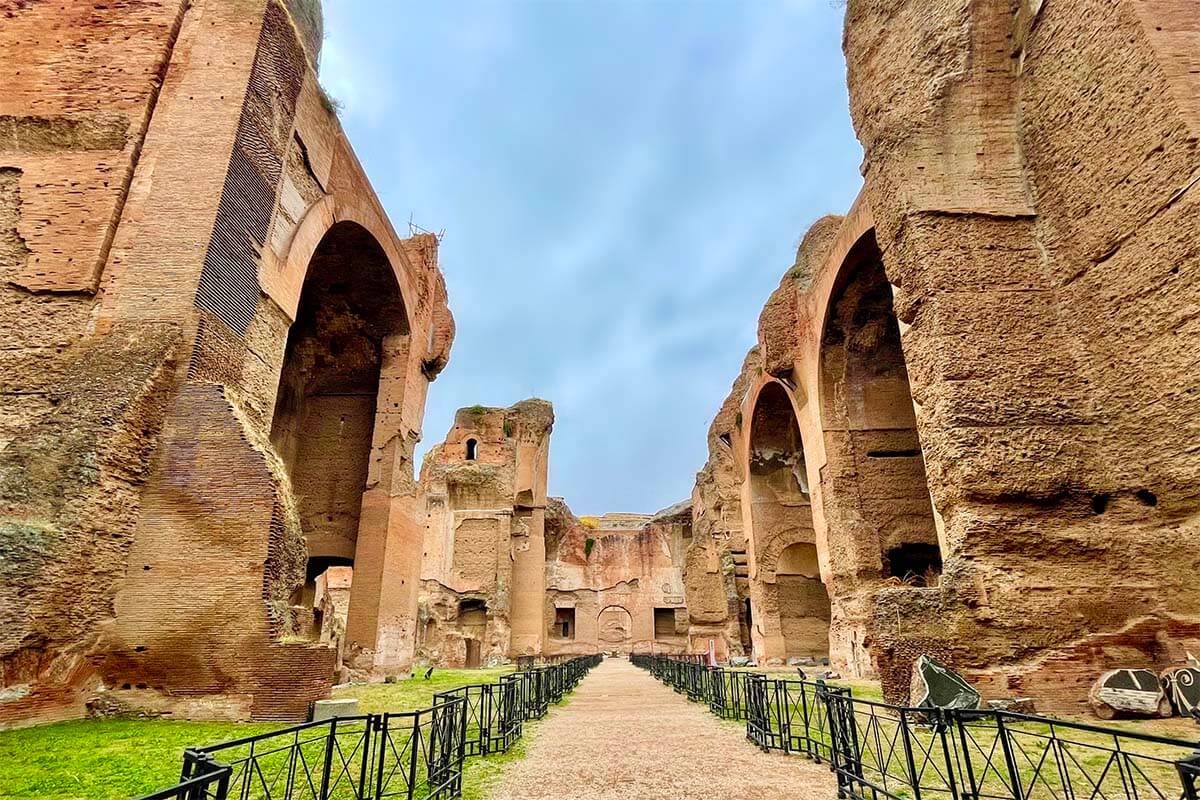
x=623, y=183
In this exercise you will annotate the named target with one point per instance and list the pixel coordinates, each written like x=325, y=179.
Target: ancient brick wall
x=717, y=564
x=485, y=492
x=78, y=414
x=142, y=500
x=1053, y=422
x=619, y=573
x=1029, y=172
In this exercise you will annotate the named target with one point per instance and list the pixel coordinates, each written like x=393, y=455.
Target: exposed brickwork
x=153, y=545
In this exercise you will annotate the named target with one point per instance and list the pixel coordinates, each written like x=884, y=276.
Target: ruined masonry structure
x=485, y=552
x=969, y=426
x=508, y=572
x=214, y=355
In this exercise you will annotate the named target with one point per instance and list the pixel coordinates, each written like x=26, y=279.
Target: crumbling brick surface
x=69, y=501
x=153, y=542
x=485, y=537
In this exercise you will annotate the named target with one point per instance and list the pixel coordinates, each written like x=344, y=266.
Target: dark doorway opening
x=664, y=623
x=564, y=623
x=914, y=564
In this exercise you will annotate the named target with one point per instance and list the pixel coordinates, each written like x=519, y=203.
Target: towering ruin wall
x=1031, y=169
x=971, y=408
x=484, y=491
x=717, y=564
x=151, y=545
x=508, y=572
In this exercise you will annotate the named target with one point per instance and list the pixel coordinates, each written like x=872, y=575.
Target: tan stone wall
x=484, y=534
x=1029, y=172
x=633, y=566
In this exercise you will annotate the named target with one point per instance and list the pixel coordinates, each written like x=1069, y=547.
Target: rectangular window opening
x=564, y=623
x=664, y=623
x=893, y=453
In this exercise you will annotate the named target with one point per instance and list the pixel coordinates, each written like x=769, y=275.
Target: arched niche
x=804, y=608
x=780, y=520
x=614, y=626
x=876, y=502
x=350, y=333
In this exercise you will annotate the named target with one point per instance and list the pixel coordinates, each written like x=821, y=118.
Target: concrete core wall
x=509, y=573
x=988, y=358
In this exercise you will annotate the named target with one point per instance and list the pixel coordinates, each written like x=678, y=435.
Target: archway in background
x=804, y=610
x=780, y=519
x=350, y=316
x=874, y=489
x=614, y=626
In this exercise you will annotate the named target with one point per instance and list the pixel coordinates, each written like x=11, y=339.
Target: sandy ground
x=625, y=735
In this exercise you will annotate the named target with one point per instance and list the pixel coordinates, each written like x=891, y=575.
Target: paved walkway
x=625, y=735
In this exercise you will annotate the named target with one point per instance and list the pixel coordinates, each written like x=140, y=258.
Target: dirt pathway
x=625, y=735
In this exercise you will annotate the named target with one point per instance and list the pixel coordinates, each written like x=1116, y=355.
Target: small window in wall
x=472, y=449
x=664, y=623
x=564, y=623
x=914, y=564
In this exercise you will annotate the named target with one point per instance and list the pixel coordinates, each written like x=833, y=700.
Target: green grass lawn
x=115, y=759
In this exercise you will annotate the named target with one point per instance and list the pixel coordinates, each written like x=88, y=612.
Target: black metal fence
x=886, y=752
x=416, y=755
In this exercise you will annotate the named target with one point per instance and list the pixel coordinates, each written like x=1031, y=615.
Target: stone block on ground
x=1013, y=705
x=1182, y=687
x=937, y=686
x=1134, y=692
x=340, y=707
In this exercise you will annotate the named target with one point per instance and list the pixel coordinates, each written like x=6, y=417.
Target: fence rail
x=879, y=751
x=415, y=755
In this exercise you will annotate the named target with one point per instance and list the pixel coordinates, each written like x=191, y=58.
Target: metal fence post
x=940, y=726
x=329, y=743
x=1010, y=761
x=1189, y=771
x=914, y=777
x=366, y=758
x=414, y=744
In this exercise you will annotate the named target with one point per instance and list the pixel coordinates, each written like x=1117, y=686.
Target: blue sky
x=622, y=183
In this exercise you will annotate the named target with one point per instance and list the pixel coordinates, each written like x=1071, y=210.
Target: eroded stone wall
x=153, y=546
x=483, y=557
x=508, y=572
x=988, y=359
x=620, y=577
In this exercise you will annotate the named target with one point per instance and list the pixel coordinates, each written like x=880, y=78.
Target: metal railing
x=879, y=751
x=416, y=755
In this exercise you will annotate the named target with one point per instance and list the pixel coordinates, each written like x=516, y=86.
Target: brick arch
x=619, y=614
x=874, y=489
x=764, y=551
x=284, y=281
x=777, y=511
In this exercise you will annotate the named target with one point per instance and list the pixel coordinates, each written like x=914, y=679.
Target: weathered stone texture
x=143, y=501
x=990, y=363
x=484, y=548
x=622, y=576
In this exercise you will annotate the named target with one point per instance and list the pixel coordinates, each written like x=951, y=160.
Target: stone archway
x=614, y=627
x=880, y=523
x=349, y=340
x=780, y=517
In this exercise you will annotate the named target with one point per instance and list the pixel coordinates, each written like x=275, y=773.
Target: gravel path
x=625, y=735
